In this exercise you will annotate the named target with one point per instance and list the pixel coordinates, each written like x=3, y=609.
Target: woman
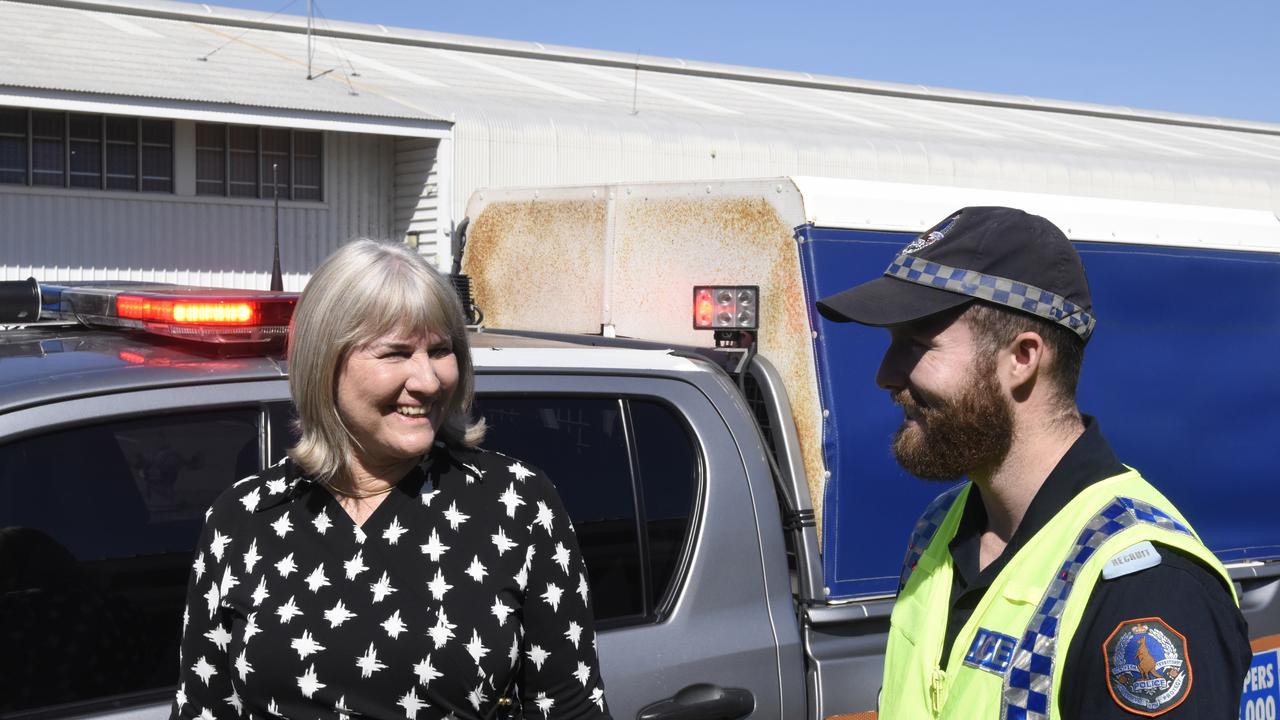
x=387, y=568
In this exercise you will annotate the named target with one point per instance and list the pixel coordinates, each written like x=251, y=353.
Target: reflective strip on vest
x=1028, y=685
x=926, y=527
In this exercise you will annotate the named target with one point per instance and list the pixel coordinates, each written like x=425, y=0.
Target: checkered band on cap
x=1028, y=684
x=926, y=527
x=995, y=289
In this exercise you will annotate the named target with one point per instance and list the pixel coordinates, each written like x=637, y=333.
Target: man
x=1056, y=583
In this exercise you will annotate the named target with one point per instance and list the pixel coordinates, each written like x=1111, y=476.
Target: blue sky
x=1203, y=58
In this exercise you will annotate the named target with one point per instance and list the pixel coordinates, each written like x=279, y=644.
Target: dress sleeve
x=560, y=672
x=204, y=666
x=1164, y=642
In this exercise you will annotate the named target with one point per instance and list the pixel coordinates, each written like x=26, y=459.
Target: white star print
x=394, y=531
x=368, y=663
x=322, y=522
x=341, y=708
x=234, y=700
x=438, y=586
x=393, y=625
x=306, y=645
x=545, y=516
x=520, y=472
x=250, y=501
x=219, y=636
x=252, y=557
x=228, y=581
x=309, y=683
x=544, y=704
x=288, y=611
x=442, y=632
x=282, y=526
x=286, y=566
x=243, y=668
x=355, y=565
x=275, y=487
x=475, y=473
x=382, y=588
x=213, y=598
x=426, y=671
x=427, y=497
x=522, y=577
x=181, y=696
x=251, y=627
x=583, y=673
x=260, y=593
x=501, y=542
x=582, y=587
x=552, y=596
x=206, y=714
x=204, y=670
x=511, y=499
x=411, y=704
x=537, y=655
x=500, y=611
x=476, y=570
x=199, y=567
x=360, y=536
x=561, y=557
x=597, y=697
x=434, y=547
x=476, y=648
x=316, y=579
x=218, y=545
x=574, y=634
x=514, y=653
x=477, y=696
x=273, y=708
x=454, y=517
x=338, y=614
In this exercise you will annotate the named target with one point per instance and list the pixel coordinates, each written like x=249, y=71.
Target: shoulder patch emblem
x=930, y=237
x=1148, y=671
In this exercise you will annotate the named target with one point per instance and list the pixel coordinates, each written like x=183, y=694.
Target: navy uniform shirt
x=1181, y=593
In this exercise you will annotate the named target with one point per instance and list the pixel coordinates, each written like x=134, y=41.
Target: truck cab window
x=97, y=526
x=631, y=517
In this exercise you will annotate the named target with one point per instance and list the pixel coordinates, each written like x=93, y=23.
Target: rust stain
x=538, y=264
x=734, y=240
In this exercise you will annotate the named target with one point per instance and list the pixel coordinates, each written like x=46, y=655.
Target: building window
x=257, y=162
x=79, y=150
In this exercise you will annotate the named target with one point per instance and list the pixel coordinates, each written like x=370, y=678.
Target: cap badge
x=930, y=237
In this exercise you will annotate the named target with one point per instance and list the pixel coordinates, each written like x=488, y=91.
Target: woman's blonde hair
x=363, y=291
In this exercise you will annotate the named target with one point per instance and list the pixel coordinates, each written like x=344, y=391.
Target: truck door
x=664, y=516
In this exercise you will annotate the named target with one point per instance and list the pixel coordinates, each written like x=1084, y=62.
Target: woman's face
x=392, y=395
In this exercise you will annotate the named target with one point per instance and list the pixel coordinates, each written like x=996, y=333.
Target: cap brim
x=887, y=301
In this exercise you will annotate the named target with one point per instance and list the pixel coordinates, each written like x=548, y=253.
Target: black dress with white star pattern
x=464, y=586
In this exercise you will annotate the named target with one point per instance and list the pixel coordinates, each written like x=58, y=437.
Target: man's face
x=956, y=419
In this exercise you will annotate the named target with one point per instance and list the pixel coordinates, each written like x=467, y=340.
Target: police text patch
x=1148, y=671
x=991, y=651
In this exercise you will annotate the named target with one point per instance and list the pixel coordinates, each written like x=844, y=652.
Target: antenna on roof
x=310, y=50
x=635, y=87
x=277, y=281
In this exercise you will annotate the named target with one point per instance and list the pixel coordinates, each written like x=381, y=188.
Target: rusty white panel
x=85, y=234
x=628, y=256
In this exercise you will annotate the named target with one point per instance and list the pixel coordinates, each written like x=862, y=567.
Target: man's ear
x=1022, y=361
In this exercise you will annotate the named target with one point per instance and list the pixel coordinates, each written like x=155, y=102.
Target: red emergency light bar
x=212, y=315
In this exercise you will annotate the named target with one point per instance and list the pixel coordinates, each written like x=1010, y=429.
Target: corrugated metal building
x=137, y=137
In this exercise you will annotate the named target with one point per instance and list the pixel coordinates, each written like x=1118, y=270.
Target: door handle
x=702, y=701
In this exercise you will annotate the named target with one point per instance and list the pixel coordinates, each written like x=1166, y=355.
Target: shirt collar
x=1090, y=459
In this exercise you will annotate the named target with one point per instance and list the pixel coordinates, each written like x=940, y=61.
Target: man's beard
x=956, y=436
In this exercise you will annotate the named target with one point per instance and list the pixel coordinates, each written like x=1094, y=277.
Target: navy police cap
x=1000, y=255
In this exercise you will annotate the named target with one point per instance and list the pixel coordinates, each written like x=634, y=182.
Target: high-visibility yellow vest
x=1007, y=660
